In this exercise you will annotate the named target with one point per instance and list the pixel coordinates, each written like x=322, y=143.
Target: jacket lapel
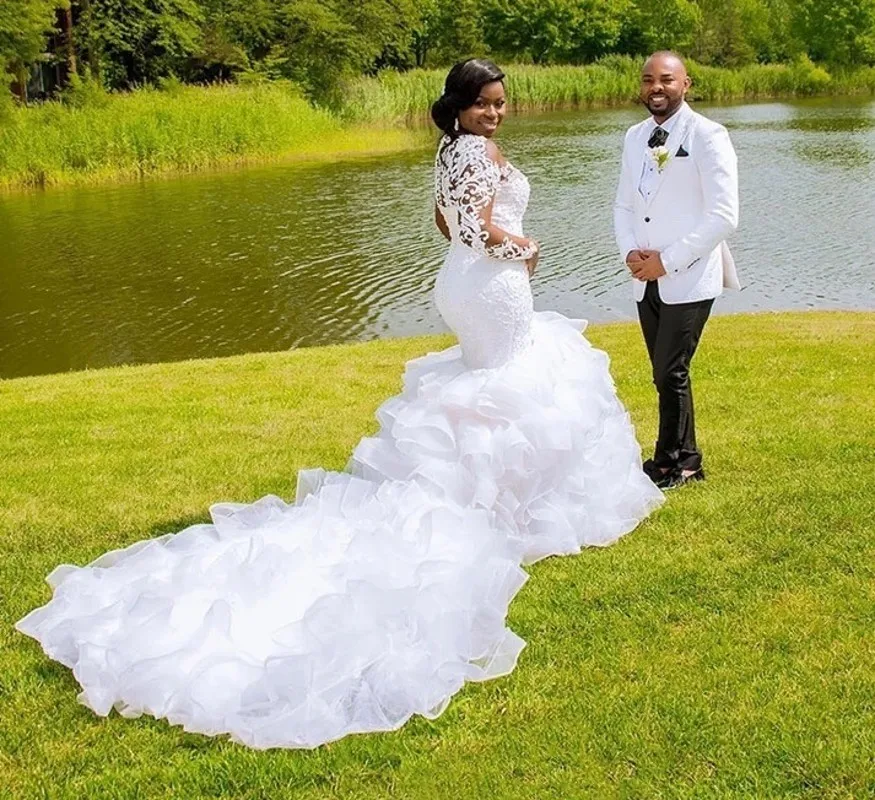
x=640, y=147
x=675, y=139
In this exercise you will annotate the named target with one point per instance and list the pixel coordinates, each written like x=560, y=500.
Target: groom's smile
x=657, y=99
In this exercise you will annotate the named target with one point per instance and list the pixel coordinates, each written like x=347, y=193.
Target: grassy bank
x=119, y=137
x=612, y=81
x=148, y=132
x=723, y=650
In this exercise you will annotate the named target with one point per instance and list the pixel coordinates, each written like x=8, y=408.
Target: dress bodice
x=511, y=200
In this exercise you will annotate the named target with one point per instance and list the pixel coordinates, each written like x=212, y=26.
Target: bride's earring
x=456, y=124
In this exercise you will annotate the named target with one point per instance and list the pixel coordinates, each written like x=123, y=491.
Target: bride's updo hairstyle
x=461, y=90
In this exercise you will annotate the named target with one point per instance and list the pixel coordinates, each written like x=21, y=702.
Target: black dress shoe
x=676, y=477
x=652, y=471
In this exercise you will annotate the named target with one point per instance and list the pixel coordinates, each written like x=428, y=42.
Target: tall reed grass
x=179, y=129
x=611, y=81
x=92, y=136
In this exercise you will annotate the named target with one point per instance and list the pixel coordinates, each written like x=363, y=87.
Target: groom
x=677, y=201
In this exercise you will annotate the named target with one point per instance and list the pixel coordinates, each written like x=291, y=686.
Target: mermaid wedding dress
x=381, y=590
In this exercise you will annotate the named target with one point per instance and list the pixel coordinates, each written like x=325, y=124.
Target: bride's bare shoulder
x=494, y=151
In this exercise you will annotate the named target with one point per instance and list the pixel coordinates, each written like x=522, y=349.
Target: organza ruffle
x=542, y=441
x=382, y=590
x=290, y=626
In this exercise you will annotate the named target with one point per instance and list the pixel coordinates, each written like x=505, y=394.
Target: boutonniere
x=660, y=156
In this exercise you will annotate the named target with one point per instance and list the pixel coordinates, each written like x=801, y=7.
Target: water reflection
x=284, y=256
x=831, y=155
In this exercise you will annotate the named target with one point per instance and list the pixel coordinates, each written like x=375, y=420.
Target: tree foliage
x=133, y=42
x=841, y=31
x=321, y=43
x=448, y=32
x=24, y=26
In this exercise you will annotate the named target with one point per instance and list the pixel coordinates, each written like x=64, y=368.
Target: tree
x=775, y=40
x=24, y=26
x=838, y=31
x=538, y=29
x=140, y=41
x=554, y=31
x=660, y=25
x=237, y=35
x=448, y=31
x=727, y=30
x=598, y=25
x=324, y=42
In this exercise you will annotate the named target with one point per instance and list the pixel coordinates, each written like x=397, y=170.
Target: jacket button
x=647, y=219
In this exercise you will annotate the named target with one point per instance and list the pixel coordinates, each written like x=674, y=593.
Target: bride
x=381, y=590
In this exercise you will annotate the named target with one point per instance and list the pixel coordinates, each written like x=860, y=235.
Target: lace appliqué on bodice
x=467, y=180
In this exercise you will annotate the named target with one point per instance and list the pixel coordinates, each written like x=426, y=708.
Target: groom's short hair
x=668, y=54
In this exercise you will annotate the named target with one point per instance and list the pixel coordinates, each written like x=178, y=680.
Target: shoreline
x=225, y=166
x=414, y=134
x=389, y=343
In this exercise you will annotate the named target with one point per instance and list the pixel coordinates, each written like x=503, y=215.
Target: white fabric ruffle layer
x=379, y=593
x=542, y=441
x=290, y=626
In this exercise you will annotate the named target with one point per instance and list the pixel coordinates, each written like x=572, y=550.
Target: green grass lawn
x=724, y=649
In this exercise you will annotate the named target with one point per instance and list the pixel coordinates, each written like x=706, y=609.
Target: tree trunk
x=87, y=50
x=62, y=45
x=67, y=42
x=19, y=85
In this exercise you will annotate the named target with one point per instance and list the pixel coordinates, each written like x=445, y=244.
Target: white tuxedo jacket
x=691, y=212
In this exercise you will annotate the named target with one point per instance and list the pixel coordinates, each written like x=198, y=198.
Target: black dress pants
x=671, y=332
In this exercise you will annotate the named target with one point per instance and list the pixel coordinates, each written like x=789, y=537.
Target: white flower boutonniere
x=660, y=156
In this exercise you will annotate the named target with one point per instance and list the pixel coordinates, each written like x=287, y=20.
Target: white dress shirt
x=649, y=172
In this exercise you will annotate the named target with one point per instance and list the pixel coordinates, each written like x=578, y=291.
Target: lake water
x=285, y=256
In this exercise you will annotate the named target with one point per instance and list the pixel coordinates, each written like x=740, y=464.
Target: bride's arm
x=473, y=187
x=441, y=223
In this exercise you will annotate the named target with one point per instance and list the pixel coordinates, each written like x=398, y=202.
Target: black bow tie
x=658, y=138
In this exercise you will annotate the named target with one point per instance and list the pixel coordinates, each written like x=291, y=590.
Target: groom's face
x=664, y=84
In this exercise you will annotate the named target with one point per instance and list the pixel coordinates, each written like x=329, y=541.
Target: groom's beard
x=669, y=110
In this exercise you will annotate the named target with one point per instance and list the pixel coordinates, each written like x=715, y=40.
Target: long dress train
x=381, y=590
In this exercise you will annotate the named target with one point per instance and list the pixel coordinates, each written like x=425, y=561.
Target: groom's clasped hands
x=645, y=265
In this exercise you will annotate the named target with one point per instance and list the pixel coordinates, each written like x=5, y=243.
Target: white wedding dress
x=382, y=590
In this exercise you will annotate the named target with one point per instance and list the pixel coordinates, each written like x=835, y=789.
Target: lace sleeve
x=470, y=181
